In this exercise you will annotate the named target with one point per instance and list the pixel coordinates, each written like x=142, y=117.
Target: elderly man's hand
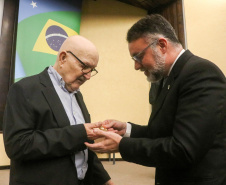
x=109, y=183
x=108, y=145
x=89, y=130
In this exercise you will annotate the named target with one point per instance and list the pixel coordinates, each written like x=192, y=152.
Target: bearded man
x=185, y=139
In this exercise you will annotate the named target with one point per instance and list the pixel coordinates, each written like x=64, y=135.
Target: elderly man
x=44, y=130
x=185, y=138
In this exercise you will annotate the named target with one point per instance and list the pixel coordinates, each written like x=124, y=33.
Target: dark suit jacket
x=186, y=135
x=39, y=139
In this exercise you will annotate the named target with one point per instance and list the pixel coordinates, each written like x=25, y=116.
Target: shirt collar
x=182, y=51
x=59, y=80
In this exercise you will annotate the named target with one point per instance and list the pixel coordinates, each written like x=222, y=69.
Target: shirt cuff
x=128, y=130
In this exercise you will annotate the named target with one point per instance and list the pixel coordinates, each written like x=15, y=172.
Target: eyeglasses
x=86, y=69
x=139, y=57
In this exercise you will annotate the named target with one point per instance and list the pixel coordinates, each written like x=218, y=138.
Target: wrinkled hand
x=108, y=145
x=109, y=183
x=115, y=125
x=89, y=130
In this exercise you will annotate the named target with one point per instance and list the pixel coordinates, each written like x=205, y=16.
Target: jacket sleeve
x=138, y=131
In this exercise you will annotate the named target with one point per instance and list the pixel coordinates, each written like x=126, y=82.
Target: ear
x=62, y=57
x=163, y=43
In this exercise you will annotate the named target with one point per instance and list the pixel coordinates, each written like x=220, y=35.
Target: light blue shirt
x=74, y=115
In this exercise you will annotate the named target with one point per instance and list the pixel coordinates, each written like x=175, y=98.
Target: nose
x=137, y=65
x=87, y=76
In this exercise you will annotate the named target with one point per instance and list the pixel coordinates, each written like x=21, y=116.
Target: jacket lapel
x=182, y=60
x=82, y=105
x=53, y=100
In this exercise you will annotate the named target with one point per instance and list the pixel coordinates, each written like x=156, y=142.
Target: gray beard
x=158, y=71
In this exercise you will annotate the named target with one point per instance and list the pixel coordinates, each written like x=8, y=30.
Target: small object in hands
x=102, y=128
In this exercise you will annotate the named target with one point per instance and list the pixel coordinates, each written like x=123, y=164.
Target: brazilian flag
x=43, y=25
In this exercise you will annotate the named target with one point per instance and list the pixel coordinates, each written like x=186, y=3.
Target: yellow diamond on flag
x=52, y=36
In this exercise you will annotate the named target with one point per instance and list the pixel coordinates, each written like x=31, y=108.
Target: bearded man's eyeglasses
x=139, y=57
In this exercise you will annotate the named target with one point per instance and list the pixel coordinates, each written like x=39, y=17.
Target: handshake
x=112, y=132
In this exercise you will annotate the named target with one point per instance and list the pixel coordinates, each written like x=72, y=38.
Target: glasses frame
x=83, y=65
x=136, y=57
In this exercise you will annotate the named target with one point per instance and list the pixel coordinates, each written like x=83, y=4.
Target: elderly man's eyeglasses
x=86, y=69
x=139, y=57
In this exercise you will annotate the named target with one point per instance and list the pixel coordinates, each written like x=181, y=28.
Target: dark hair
x=151, y=25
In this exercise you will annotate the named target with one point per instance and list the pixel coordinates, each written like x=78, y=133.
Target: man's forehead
x=90, y=61
x=136, y=46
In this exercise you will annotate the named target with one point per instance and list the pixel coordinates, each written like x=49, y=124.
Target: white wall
x=206, y=29
x=4, y=160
